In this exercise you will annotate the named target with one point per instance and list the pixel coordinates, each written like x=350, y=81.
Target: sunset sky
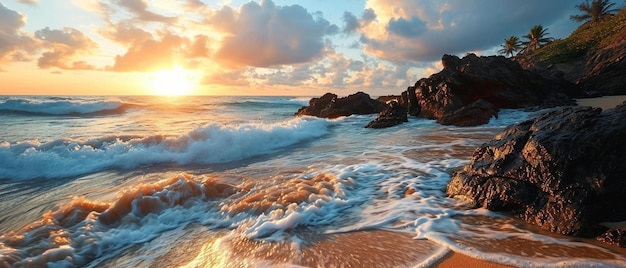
x=280, y=47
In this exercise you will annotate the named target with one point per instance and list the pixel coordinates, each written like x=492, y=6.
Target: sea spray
x=207, y=144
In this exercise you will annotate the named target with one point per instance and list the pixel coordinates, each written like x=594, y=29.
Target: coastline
x=605, y=102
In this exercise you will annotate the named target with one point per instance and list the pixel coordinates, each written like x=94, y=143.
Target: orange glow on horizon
x=174, y=82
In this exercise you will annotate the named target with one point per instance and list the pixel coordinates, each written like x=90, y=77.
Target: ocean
x=209, y=181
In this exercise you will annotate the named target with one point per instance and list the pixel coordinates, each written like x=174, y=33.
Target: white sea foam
x=208, y=144
x=58, y=107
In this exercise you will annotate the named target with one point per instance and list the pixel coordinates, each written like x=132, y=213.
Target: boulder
x=495, y=80
x=615, y=237
x=474, y=114
x=329, y=106
x=563, y=171
x=394, y=115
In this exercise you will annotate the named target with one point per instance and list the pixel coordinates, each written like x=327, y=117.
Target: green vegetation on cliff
x=589, y=37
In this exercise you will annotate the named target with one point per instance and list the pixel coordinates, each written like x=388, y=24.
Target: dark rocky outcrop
x=413, y=105
x=452, y=95
x=615, y=237
x=563, y=171
x=394, y=115
x=474, y=114
x=329, y=106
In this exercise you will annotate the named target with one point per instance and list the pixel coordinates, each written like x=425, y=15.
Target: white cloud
x=63, y=47
x=263, y=35
x=14, y=43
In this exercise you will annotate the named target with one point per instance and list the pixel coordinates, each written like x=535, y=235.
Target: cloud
x=164, y=52
x=14, y=43
x=406, y=28
x=409, y=31
x=28, y=2
x=193, y=4
x=63, y=46
x=125, y=33
x=263, y=35
x=352, y=23
x=234, y=77
x=140, y=9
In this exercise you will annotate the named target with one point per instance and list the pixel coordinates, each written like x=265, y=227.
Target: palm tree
x=536, y=38
x=510, y=46
x=594, y=11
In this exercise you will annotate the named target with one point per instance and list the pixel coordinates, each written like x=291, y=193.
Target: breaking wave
x=61, y=106
x=204, y=145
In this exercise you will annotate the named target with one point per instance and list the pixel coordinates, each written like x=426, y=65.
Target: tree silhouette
x=536, y=38
x=510, y=46
x=594, y=11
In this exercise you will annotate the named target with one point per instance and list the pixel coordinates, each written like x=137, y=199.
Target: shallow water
x=238, y=181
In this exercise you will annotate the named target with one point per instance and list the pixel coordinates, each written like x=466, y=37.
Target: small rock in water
x=392, y=116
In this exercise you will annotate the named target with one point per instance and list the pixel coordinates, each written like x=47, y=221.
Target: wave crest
x=204, y=145
x=61, y=107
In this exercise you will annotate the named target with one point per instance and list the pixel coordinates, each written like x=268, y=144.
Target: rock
x=474, y=114
x=413, y=105
x=392, y=116
x=329, y=106
x=389, y=98
x=606, y=70
x=495, y=80
x=615, y=237
x=563, y=171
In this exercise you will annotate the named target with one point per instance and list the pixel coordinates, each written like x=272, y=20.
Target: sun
x=174, y=82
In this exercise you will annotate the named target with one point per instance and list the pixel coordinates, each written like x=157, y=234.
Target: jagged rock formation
x=471, y=90
x=394, y=115
x=329, y=106
x=563, y=171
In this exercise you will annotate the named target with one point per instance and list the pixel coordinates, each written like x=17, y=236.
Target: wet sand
x=606, y=102
x=454, y=260
x=370, y=248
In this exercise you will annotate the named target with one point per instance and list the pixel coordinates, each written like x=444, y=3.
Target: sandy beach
x=606, y=102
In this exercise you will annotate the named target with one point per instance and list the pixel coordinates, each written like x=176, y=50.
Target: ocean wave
x=267, y=102
x=81, y=232
x=60, y=106
x=204, y=145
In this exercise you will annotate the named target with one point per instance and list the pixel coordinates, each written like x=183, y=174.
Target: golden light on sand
x=173, y=82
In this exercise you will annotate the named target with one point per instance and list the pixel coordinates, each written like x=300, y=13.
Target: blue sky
x=279, y=47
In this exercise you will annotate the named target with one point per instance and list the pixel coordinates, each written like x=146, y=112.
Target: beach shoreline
x=605, y=102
